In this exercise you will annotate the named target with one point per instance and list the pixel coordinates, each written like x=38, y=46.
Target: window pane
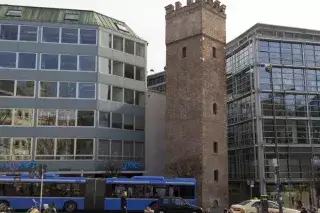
x=67, y=90
x=129, y=71
x=47, y=117
x=5, y=117
x=69, y=36
x=48, y=89
x=104, y=119
x=139, y=123
x=128, y=149
x=65, y=148
x=117, y=94
x=140, y=50
x=5, y=144
x=87, y=63
x=68, y=62
x=118, y=68
x=129, y=47
x=28, y=33
x=27, y=60
x=45, y=146
x=117, y=43
x=104, y=147
x=86, y=90
x=88, y=36
x=23, y=117
x=49, y=62
x=85, y=118
x=9, y=32
x=104, y=65
x=116, y=148
x=8, y=60
x=128, y=121
x=128, y=96
x=66, y=117
x=140, y=74
x=21, y=149
x=84, y=147
x=6, y=88
x=117, y=120
x=104, y=92
x=25, y=88
x=50, y=34
x=139, y=150
x=140, y=99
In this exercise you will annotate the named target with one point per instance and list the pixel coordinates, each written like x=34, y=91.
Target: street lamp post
x=268, y=68
x=250, y=183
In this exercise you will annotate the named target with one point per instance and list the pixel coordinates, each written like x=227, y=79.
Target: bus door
x=94, y=197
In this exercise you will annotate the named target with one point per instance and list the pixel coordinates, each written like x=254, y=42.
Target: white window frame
x=111, y=119
x=11, y=117
x=36, y=62
x=50, y=42
x=78, y=32
x=95, y=91
x=88, y=44
x=56, y=120
x=22, y=25
x=93, y=149
x=54, y=151
x=15, y=84
x=39, y=90
x=58, y=86
x=104, y=157
x=32, y=116
x=94, y=116
x=98, y=118
x=75, y=114
x=31, y=148
x=59, y=63
x=18, y=36
x=99, y=92
x=95, y=63
x=16, y=59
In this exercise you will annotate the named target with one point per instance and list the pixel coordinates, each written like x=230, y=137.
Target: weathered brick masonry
x=196, y=108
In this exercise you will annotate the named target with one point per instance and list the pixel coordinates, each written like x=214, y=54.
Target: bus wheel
x=70, y=206
x=4, y=205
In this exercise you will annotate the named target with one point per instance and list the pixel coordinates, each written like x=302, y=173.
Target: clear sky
x=146, y=17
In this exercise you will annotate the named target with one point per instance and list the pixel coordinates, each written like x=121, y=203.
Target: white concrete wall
x=155, y=133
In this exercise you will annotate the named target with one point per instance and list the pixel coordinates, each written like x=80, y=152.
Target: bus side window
x=109, y=190
x=187, y=192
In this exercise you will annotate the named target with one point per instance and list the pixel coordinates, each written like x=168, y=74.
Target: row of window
x=80, y=90
x=83, y=63
x=69, y=149
x=26, y=33
x=70, y=118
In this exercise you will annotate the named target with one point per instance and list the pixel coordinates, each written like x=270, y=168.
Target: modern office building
x=72, y=90
x=157, y=82
x=274, y=114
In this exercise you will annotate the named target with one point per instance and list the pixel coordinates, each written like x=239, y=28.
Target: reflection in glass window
x=139, y=123
x=117, y=68
x=6, y=88
x=117, y=43
x=85, y=118
x=28, y=33
x=5, y=147
x=84, y=147
x=21, y=149
x=116, y=149
x=68, y=62
x=48, y=89
x=50, y=34
x=87, y=63
x=104, y=92
x=9, y=32
x=45, y=147
x=86, y=90
x=139, y=98
x=88, y=36
x=117, y=120
x=129, y=47
x=66, y=117
x=65, y=149
x=27, y=60
x=103, y=148
x=128, y=96
x=128, y=150
x=104, y=119
x=128, y=122
x=139, y=150
x=69, y=36
x=140, y=50
x=6, y=117
x=129, y=71
x=140, y=74
x=23, y=117
x=49, y=62
x=47, y=117
x=8, y=60
x=67, y=90
x=117, y=94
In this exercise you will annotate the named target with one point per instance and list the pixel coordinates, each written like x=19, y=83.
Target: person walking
x=124, y=202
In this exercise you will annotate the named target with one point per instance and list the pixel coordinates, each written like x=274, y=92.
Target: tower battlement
x=216, y=6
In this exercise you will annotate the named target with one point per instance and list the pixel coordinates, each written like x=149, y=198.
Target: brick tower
x=196, y=113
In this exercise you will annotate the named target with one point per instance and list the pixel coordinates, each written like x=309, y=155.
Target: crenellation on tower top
x=220, y=9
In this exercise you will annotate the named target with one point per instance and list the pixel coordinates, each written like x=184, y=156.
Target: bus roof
x=152, y=180
x=45, y=180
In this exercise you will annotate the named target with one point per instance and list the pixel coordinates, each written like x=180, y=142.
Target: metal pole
x=41, y=190
x=277, y=167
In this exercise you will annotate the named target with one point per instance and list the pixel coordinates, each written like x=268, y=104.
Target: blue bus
x=72, y=194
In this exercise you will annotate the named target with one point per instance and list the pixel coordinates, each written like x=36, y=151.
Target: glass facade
x=268, y=108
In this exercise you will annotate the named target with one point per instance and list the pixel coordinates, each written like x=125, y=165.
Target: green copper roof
x=57, y=15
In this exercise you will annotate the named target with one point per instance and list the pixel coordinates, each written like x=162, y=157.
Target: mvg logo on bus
x=18, y=165
x=131, y=165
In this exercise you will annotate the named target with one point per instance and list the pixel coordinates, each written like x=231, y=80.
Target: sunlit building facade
x=72, y=90
x=274, y=109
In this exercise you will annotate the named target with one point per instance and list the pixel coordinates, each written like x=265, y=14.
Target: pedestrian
x=124, y=202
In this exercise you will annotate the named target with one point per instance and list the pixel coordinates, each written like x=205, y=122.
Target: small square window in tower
x=214, y=109
x=215, y=147
x=214, y=52
x=216, y=175
x=184, y=52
